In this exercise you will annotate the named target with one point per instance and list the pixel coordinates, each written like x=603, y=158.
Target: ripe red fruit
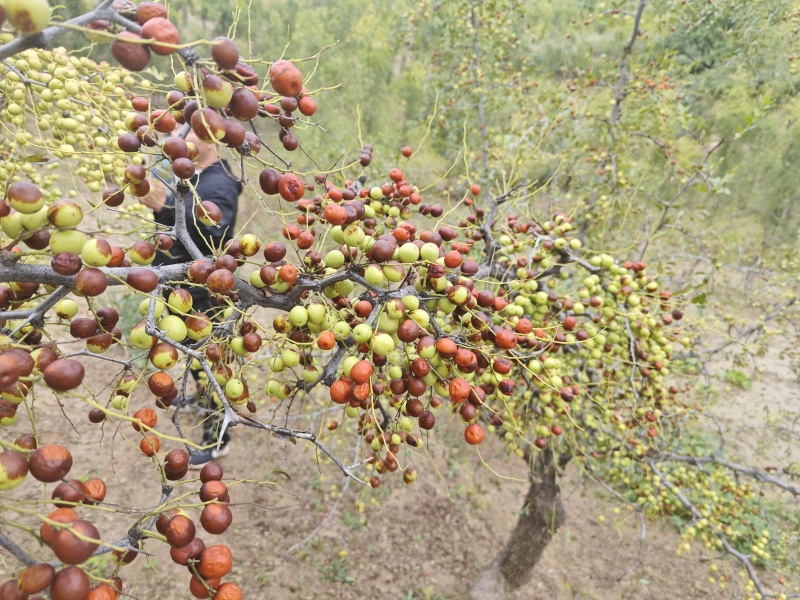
x=228, y=591
x=73, y=550
x=133, y=56
x=427, y=420
x=459, y=390
x=176, y=464
x=406, y=151
x=361, y=371
x=146, y=11
x=291, y=187
x=211, y=472
x=225, y=53
x=161, y=30
x=285, y=78
x=50, y=463
x=179, y=531
x=143, y=280
x=473, y=434
x=149, y=445
x=91, y=282
x=221, y=281
x=70, y=584
x=66, y=263
x=505, y=339
x=36, y=578
x=216, y=561
x=63, y=375
x=216, y=518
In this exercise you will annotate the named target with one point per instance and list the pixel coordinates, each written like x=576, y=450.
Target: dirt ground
x=424, y=541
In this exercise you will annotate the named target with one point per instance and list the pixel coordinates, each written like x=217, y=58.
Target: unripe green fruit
x=255, y=280
x=273, y=387
x=183, y=81
x=351, y=411
x=66, y=309
x=348, y=363
x=218, y=98
x=120, y=402
x=290, y=357
x=66, y=240
x=394, y=273
x=34, y=220
x=140, y=339
x=173, y=327
x=387, y=323
x=65, y=213
x=422, y=318
x=298, y=316
x=439, y=284
x=344, y=287
x=334, y=259
x=249, y=244
x=353, y=235
x=237, y=345
x=429, y=252
x=374, y=275
x=445, y=306
x=362, y=333
x=382, y=343
x=376, y=193
x=96, y=253
x=311, y=373
x=180, y=301
x=12, y=225
x=411, y=302
x=341, y=331
x=317, y=313
x=144, y=306
x=395, y=309
x=337, y=233
x=409, y=253
x=234, y=389
x=28, y=16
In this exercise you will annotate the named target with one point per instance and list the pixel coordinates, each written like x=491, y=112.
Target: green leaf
x=699, y=300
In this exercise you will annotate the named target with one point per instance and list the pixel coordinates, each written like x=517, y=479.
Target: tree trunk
x=542, y=514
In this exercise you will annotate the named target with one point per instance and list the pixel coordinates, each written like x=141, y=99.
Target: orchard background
x=510, y=310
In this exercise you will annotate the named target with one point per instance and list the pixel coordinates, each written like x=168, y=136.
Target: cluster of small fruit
x=73, y=540
x=207, y=564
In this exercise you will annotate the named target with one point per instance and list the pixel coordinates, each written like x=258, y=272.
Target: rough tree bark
x=542, y=514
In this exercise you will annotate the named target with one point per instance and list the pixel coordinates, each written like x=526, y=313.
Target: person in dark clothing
x=213, y=181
